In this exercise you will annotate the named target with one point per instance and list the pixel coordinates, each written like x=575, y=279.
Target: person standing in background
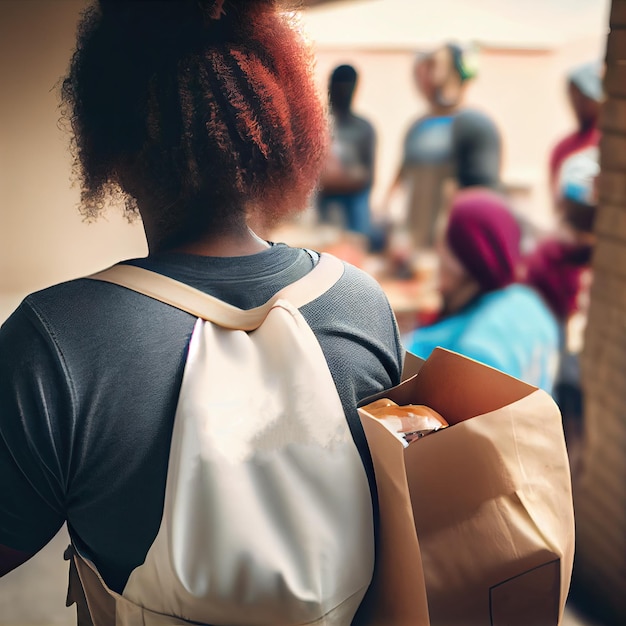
x=346, y=181
x=441, y=77
x=584, y=84
x=559, y=267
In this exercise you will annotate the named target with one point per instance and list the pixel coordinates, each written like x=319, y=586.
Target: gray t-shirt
x=427, y=164
x=354, y=141
x=89, y=379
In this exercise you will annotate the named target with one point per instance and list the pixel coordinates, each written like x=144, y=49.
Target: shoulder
x=360, y=297
x=472, y=124
x=418, y=123
x=47, y=311
x=506, y=307
x=361, y=280
x=90, y=306
x=564, y=142
x=445, y=333
x=519, y=295
x=46, y=319
x=416, y=127
x=359, y=125
x=467, y=118
x=26, y=332
x=354, y=318
x=94, y=329
x=561, y=149
x=509, y=320
x=365, y=124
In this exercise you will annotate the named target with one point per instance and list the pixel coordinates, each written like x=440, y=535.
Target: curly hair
x=195, y=109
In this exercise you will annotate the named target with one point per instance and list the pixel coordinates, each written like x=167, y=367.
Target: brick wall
x=600, y=491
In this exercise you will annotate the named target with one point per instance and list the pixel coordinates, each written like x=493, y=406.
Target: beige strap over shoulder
x=323, y=276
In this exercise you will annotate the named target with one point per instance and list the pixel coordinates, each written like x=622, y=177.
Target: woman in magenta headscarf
x=485, y=314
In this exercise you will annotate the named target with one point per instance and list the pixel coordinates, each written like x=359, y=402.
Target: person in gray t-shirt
x=428, y=168
x=202, y=139
x=346, y=181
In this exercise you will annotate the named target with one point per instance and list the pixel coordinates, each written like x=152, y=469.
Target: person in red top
x=585, y=95
x=559, y=268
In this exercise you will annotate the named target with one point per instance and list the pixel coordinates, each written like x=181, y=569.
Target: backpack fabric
x=267, y=516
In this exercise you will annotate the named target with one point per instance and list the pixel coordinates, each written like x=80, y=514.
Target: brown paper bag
x=476, y=520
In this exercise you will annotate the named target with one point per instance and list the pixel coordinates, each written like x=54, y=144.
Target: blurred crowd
x=508, y=293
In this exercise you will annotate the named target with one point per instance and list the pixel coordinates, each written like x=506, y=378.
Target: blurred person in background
x=585, y=93
x=558, y=263
x=476, y=160
x=345, y=184
x=441, y=78
x=200, y=116
x=485, y=314
x=559, y=267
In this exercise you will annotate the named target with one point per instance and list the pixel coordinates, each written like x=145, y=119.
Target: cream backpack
x=267, y=518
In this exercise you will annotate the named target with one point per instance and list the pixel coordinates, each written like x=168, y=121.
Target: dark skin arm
x=393, y=188
x=10, y=559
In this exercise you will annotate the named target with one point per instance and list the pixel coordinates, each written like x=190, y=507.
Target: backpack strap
x=320, y=279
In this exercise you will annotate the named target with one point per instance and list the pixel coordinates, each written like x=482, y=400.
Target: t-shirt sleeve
x=34, y=396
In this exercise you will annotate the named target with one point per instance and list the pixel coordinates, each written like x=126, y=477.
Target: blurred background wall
x=42, y=236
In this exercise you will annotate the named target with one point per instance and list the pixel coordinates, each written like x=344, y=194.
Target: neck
x=233, y=238
x=442, y=110
x=339, y=111
x=460, y=298
x=228, y=244
x=587, y=126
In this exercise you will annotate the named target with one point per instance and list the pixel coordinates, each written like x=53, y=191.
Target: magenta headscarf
x=485, y=237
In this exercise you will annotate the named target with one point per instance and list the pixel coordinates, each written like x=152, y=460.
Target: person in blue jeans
x=346, y=181
x=485, y=314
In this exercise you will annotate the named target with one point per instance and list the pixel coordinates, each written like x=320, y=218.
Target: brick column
x=600, y=490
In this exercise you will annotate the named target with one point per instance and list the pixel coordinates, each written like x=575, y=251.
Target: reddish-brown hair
x=196, y=110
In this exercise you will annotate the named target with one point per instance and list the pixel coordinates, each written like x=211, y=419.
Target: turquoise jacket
x=510, y=329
